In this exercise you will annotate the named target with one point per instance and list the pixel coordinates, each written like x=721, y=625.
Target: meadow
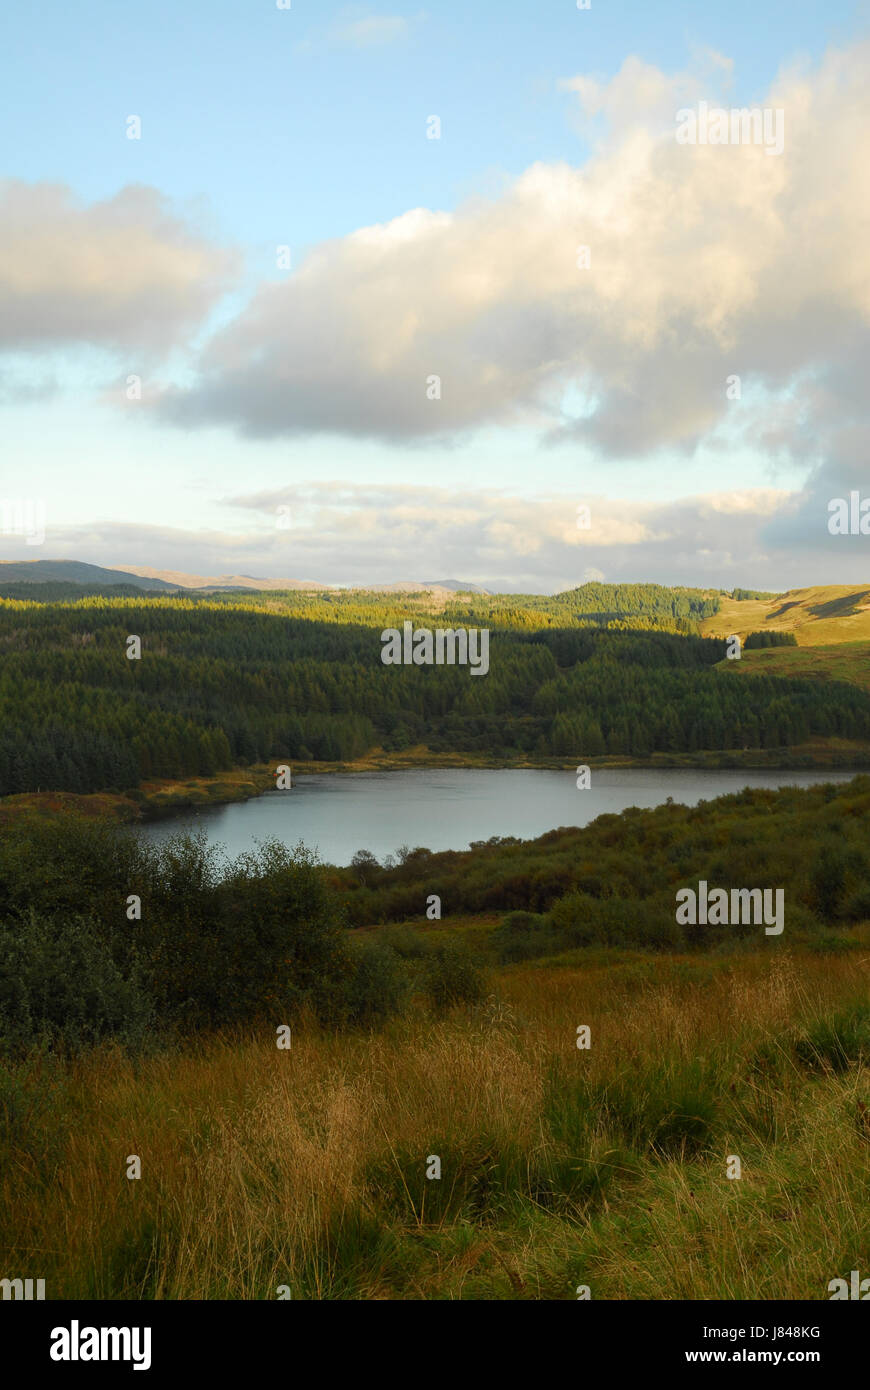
x=302, y=1173
x=308, y=1171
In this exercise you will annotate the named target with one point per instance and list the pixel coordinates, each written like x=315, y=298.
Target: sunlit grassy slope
x=823, y=616
x=831, y=625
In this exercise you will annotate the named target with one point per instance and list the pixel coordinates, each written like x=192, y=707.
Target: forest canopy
x=229, y=680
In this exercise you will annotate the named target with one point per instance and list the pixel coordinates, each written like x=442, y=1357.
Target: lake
x=338, y=813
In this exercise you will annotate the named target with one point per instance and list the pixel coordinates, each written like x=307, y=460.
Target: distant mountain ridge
x=74, y=572
x=153, y=580
x=182, y=580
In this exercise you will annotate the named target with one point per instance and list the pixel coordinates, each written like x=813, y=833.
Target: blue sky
x=264, y=127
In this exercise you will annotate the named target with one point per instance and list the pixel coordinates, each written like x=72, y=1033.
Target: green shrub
x=451, y=975
x=217, y=943
x=376, y=988
x=526, y=936
x=227, y=942
x=837, y=875
x=588, y=921
x=60, y=987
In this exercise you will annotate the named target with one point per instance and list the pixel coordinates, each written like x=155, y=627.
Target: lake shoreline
x=450, y=809
x=158, y=799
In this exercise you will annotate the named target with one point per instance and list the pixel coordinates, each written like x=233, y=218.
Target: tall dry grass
x=307, y=1169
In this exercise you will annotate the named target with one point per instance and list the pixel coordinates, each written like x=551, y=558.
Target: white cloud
x=705, y=262
x=374, y=29
x=119, y=273
x=344, y=532
x=354, y=29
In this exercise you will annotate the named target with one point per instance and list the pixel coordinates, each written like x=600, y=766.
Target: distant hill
x=830, y=623
x=179, y=579
x=74, y=572
x=455, y=585
x=153, y=580
x=825, y=615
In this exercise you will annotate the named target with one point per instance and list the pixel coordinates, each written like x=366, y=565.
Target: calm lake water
x=339, y=813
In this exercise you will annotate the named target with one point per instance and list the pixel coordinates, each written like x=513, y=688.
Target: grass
x=560, y=1167
x=822, y=616
x=846, y=661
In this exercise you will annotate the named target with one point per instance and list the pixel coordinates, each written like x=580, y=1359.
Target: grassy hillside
x=559, y=1167
x=830, y=623
x=826, y=615
x=847, y=661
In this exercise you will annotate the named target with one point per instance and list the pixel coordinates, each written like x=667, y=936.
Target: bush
x=451, y=975
x=375, y=989
x=526, y=936
x=59, y=987
x=56, y=864
x=837, y=875
x=587, y=921
x=217, y=943
x=229, y=942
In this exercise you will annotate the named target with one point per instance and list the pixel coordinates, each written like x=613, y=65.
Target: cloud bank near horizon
x=349, y=533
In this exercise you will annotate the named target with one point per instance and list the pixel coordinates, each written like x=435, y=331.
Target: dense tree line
x=236, y=679
x=770, y=639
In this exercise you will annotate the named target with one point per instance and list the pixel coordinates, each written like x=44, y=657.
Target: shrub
x=837, y=875
x=451, y=975
x=60, y=987
x=375, y=989
x=231, y=942
x=526, y=936
x=587, y=921
x=217, y=943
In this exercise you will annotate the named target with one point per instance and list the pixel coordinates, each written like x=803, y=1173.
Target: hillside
x=830, y=623
x=825, y=615
x=74, y=572
x=564, y=1164
x=145, y=577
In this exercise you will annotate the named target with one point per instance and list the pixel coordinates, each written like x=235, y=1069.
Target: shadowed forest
x=234, y=680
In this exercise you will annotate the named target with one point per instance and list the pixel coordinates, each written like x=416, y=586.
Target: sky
x=364, y=294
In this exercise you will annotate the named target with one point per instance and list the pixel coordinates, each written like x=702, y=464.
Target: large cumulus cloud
x=705, y=262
